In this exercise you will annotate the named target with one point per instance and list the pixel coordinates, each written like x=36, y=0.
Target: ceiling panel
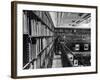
x=69, y=19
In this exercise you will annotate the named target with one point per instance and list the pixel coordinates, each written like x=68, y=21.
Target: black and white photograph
x=53, y=39
x=56, y=39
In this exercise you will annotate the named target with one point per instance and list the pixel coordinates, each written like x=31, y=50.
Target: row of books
x=46, y=55
x=45, y=17
x=37, y=49
x=40, y=56
x=39, y=29
x=35, y=27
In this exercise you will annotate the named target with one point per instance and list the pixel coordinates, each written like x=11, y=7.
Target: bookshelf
x=38, y=39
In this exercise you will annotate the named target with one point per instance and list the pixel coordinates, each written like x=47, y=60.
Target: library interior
x=56, y=39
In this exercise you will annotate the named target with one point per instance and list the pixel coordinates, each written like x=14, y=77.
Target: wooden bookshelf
x=38, y=39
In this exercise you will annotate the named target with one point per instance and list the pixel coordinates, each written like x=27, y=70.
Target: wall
x=5, y=41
